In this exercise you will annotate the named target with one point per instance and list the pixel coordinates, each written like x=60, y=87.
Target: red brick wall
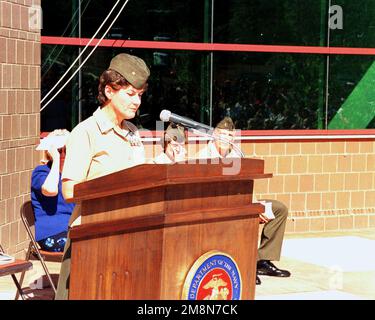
x=327, y=185
x=19, y=117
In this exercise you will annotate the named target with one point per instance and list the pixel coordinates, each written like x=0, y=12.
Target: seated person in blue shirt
x=51, y=211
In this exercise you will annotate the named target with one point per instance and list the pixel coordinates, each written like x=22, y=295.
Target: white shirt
x=211, y=152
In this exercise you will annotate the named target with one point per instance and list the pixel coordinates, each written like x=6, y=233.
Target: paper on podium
x=268, y=213
x=5, y=258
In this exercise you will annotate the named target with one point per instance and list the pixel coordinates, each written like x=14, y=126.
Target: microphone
x=197, y=127
x=167, y=116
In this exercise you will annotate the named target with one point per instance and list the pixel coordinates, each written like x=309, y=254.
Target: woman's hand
x=179, y=153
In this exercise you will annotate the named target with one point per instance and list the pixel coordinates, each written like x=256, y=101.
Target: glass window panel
x=59, y=18
x=260, y=90
x=351, y=92
x=162, y=20
x=175, y=84
x=358, y=28
x=281, y=22
x=54, y=63
x=269, y=91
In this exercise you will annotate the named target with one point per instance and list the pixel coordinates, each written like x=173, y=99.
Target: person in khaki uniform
x=106, y=142
x=274, y=228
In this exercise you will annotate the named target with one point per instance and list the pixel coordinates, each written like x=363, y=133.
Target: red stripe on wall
x=364, y=133
x=307, y=132
x=267, y=136
x=205, y=46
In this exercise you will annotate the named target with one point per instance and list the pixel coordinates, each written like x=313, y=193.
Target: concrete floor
x=324, y=266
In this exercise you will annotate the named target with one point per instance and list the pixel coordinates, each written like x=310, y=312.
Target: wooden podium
x=143, y=228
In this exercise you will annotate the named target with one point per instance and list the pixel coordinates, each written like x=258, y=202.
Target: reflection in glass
x=174, y=84
x=286, y=22
x=163, y=20
x=259, y=90
x=351, y=92
x=268, y=91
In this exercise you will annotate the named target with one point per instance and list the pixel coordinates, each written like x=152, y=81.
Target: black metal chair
x=34, y=251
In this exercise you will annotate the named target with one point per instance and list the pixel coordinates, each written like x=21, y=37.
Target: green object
x=358, y=110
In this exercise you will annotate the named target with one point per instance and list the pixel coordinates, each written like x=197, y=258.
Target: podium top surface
x=148, y=176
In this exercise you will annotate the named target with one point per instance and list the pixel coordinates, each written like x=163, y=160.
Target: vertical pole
x=323, y=80
x=328, y=64
x=205, y=69
x=211, y=62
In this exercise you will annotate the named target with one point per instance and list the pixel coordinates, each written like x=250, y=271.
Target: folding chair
x=13, y=268
x=34, y=250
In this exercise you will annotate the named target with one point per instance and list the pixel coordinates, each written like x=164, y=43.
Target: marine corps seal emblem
x=213, y=276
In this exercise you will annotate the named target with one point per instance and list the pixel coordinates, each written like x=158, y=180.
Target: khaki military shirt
x=97, y=147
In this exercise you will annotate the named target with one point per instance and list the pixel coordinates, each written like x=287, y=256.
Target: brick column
x=19, y=117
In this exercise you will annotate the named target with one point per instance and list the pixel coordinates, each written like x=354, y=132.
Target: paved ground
x=324, y=266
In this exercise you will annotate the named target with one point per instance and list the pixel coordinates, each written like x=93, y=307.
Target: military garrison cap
x=132, y=68
x=226, y=123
